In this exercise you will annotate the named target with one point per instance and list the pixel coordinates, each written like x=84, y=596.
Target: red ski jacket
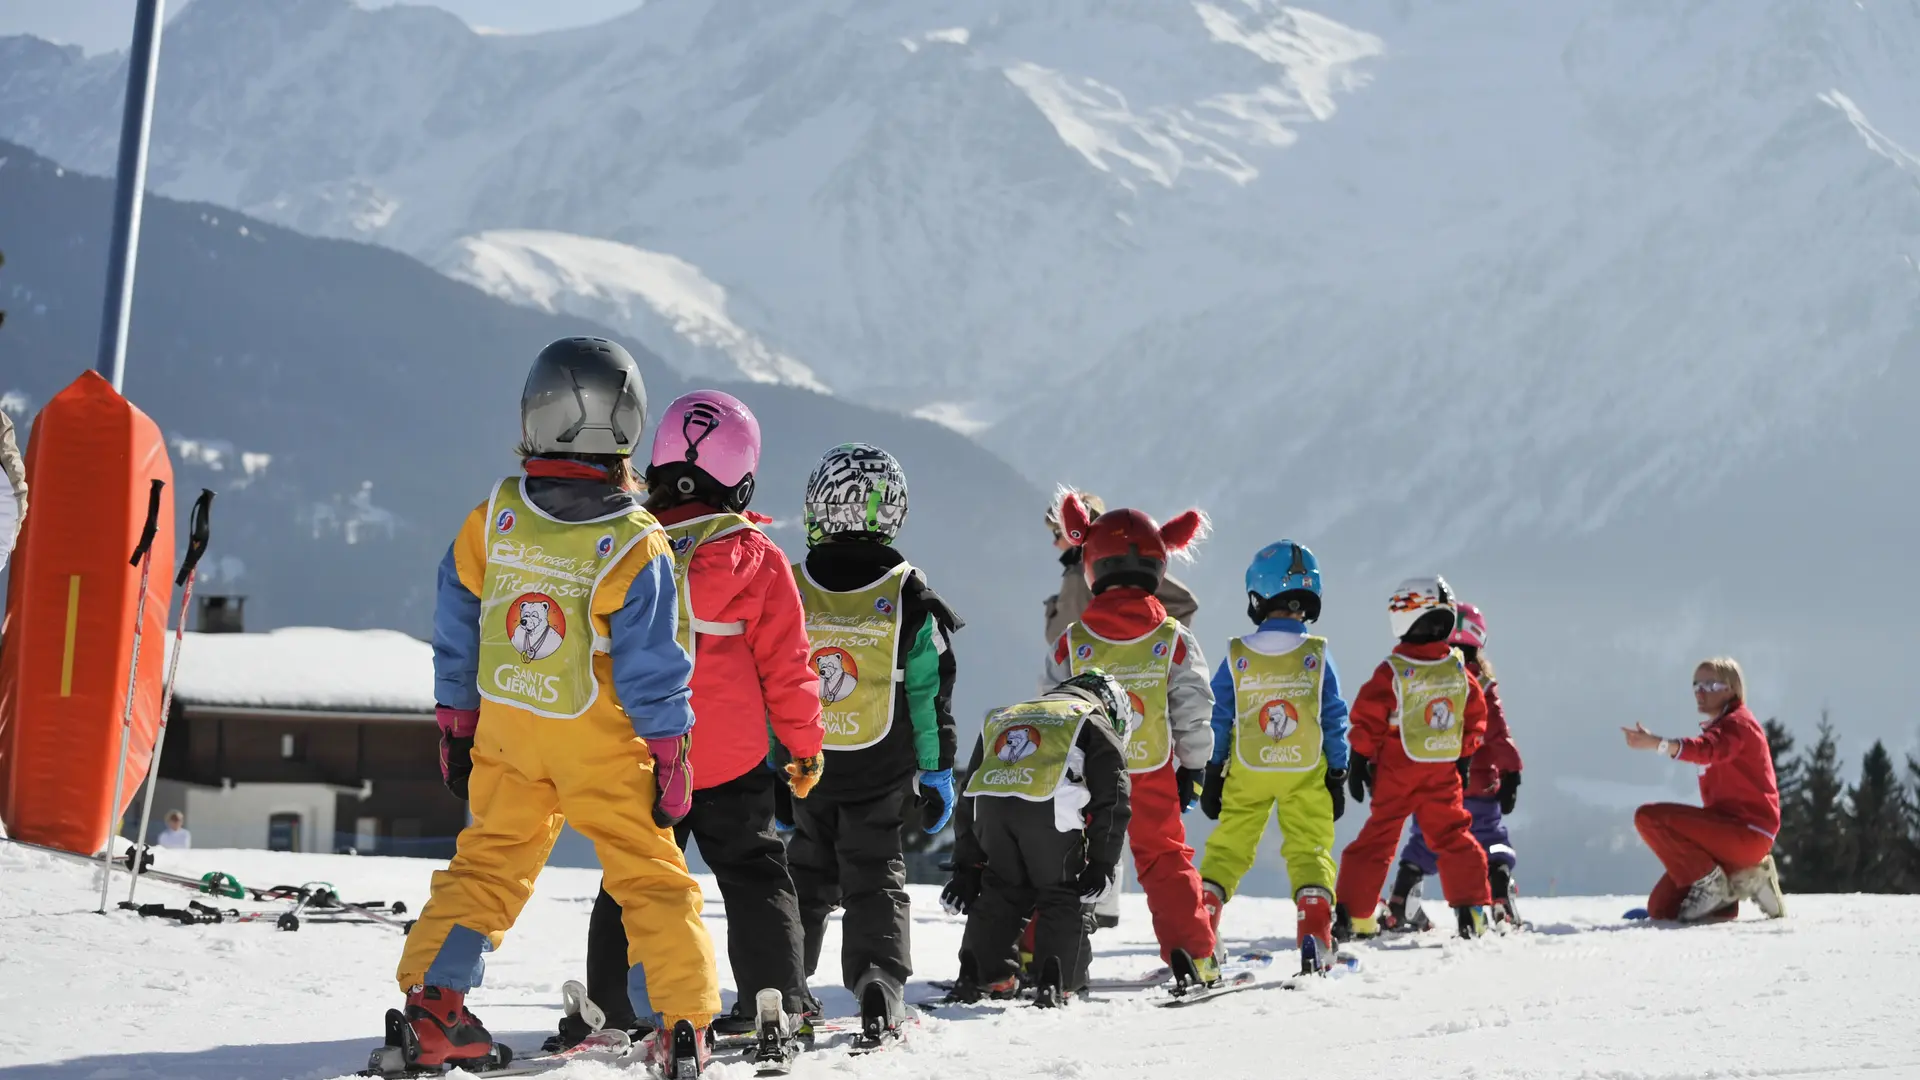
x=1375, y=731
x=1497, y=753
x=1736, y=770
x=745, y=682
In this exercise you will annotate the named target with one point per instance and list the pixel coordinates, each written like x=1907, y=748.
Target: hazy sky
x=105, y=25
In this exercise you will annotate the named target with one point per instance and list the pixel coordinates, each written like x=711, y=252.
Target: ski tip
x=1638, y=914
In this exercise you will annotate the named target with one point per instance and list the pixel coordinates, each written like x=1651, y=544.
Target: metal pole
x=143, y=558
x=136, y=122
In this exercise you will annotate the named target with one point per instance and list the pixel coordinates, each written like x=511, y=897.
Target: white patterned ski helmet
x=857, y=489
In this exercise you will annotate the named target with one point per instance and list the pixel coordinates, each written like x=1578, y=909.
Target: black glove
x=1096, y=881
x=1210, y=794
x=962, y=891
x=1509, y=791
x=1187, y=782
x=456, y=763
x=1359, y=777
x=1463, y=766
x=1337, y=787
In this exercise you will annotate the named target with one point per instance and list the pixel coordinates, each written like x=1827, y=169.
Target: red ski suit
x=1735, y=827
x=1402, y=786
x=1155, y=834
x=744, y=682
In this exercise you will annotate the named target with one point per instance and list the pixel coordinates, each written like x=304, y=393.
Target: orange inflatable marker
x=91, y=463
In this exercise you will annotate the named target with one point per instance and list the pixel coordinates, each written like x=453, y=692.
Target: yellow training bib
x=854, y=639
x=1143, y=666
x=1432, y=697
x=685, y=537
x=1277, y=706
x=536, y=601
x=1027, y=747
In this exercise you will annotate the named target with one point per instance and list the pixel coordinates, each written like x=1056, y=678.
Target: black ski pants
x=1032, y=870
x=733, y=825
x=847, y=854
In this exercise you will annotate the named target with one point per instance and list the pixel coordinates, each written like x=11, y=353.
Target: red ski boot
x=1314, y=930
x=1214, y=899
x=443, y=1030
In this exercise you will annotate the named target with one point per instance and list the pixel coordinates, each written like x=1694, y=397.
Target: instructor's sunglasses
x=1709, y=687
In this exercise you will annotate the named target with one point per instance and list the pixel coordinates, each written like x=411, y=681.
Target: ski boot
x=1193, y=974
x=1473, y=920
x=742, y=1019
x=679, y=1054
x=1506, y=895
x=1349, y=927
x=1313, y=928
x=1760, y=884
x=883, y=1008
x=776, y=1035
x=1405, y=884
x=1047, y=991
x=1710, y=899
x=436, y=1029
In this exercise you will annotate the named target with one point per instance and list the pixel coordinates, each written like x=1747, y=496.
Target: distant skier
x=1128, y=634
x=1040, y=842
x=888, y=737
x=1279, y=748
x=13, y=494
x=595, y=733
x=1413, y=765
x=741, y=622
x=1718, y=854
x=1493, y=787
x=1064, y=607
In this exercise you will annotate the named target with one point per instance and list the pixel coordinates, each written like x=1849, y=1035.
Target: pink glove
x=456, y=746
x=673, y=780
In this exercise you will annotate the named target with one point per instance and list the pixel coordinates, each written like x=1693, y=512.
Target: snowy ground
x=1828, y=992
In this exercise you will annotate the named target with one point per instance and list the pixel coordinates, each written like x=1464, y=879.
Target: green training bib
x=1432, y=697
x=1276, y=724
x=1027, y=747
x=1143, y=666
x=685, y=537
x=536, y=601
x=854, y=639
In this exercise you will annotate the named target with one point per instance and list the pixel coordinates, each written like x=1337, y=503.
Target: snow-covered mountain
x=1609, y=309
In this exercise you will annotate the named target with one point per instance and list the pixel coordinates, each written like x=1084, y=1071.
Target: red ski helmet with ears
x=1127, y=547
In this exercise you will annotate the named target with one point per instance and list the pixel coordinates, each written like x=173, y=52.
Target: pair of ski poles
x=198, y=527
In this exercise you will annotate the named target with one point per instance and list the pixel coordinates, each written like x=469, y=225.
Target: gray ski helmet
x=583, y=396
x=856, y=489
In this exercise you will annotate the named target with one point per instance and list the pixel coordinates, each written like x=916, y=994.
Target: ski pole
x=198, y=524
x=142, y=558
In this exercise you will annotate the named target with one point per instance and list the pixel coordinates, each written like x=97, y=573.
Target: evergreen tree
x=1876, y=825
x=1912, y=849
x=1817, y=853
x=1786, y=774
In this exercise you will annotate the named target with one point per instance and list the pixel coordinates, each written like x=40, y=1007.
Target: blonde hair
x=1727, y=670
x=1095, y=505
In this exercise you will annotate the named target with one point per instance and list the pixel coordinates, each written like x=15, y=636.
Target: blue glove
x=935, y=791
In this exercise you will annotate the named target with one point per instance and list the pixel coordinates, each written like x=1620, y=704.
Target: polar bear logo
x=1017, y=745
x=1279, y=720
x=1440, y=715
x=838, y=678
x=535, y=636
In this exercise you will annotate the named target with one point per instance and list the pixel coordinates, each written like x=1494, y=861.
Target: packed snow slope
x=1585, y=995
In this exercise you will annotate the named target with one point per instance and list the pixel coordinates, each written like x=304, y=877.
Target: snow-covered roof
x=308, y=667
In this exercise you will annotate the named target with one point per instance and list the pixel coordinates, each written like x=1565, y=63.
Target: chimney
x=222, y=614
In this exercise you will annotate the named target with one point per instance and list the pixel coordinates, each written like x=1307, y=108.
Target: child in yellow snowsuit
x=562, y=698
x=1279, y=746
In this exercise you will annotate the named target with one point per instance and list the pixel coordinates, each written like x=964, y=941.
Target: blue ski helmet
x=1281, y=568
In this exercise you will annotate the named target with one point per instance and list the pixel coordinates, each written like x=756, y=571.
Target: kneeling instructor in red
x=1719, y=853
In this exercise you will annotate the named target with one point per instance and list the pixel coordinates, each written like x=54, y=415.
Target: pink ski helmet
x=1470, y=629
x=714, y=433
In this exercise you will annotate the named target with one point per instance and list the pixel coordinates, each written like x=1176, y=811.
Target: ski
x=390, y=1061
x=1252, y=960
